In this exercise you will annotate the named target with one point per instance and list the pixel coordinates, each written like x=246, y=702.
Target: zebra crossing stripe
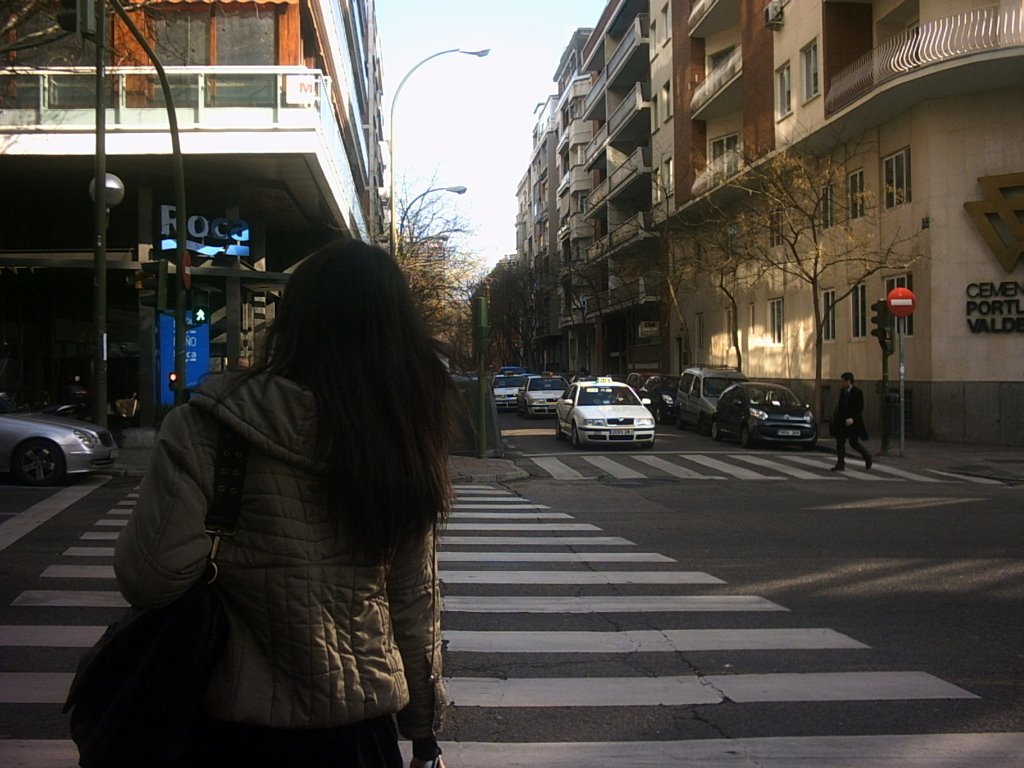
x=88, y=552
x=477, y=488
x=648, y=641
x=674, y=469
x=49, y=636
x=777, y=466
x=100, y=536
x=557, y=468
x=614, y=468
x=518, y=505
x=849, y=472
x=553, y=557
x=116, y=523
x=34, y=688
x=693, y=690
x=79, y=572
x=535, y=541
x=120, y=512
x=578, y=577
x=740, y=473
x=509, y=516
x=71, y=598
x=968, y=478
x=931, y=750
x=607, y=604
x=24, y=523
x=514, y=526
x=896, y=472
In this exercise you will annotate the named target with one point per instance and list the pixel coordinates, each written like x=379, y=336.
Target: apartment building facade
x=916, y=107
x=277, y=105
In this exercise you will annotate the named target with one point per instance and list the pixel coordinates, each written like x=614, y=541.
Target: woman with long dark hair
x=330, y=581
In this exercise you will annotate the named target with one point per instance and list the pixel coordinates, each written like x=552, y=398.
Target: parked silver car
x=697, y=395
x=43, y=449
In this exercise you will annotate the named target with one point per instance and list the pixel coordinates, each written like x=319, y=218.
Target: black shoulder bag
x=137, y=695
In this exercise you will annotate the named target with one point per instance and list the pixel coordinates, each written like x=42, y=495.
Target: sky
x=467, y=121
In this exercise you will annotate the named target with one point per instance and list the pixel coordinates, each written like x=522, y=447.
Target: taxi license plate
x=620, y=431
x=789, y=433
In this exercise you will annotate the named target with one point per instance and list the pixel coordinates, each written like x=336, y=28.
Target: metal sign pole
x=901, y=324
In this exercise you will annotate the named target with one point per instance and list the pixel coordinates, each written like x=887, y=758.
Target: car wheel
x=746, y=439
x=716, y=431
x=38, y=462
x=558, y=430
x=576, y=442
x=703, y=424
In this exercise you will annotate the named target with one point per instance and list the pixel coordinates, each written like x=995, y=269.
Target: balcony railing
x=628, y=230
x=717, y=79
x=700, y=8
x=639, y=32
x=634, y=101
x=977, y=31
x=596, y=144
x=717, y=172
x=595, y=98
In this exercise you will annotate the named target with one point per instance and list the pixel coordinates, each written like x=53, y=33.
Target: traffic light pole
x=99, y=366
x=901, y=323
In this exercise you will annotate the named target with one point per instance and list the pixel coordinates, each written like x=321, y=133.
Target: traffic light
x=78, y=16
x=152, y=284
x=172, y=380
x=199, y=304
x=882, y=320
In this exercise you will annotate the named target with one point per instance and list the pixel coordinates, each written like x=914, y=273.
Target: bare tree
x=512, y=311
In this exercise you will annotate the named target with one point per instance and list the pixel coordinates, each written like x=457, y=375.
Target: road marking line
x=49, y=636
x=558, y=469
x=968, y=478
x=759, y=461
x=509, y=516
x=514, y=526
x=71, y=598
x=111, y=523
x=876, y=467
x=674, y=469
x=554, y=557
x=520, y=505
x=647, y=641
x=34, y=687
x=578, y=577
x=88, y=552
x=740, y=473
x=121, y=512
x=79, y=572
x=608, y=604
x=25, y=522
x=689, y=690
x=614, y=468
x=100, y=536
x=848, y=472
x=536, y=541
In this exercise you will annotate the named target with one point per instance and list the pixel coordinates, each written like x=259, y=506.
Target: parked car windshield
x=507, y=381
x=768, y=395
x=714, y=385
x=548, y=385
x=608, y=396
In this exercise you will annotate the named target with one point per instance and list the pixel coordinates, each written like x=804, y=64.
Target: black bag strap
x=225, y=505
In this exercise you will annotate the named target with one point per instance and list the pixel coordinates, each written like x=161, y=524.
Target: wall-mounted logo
x=206, y=237
x=999, y=217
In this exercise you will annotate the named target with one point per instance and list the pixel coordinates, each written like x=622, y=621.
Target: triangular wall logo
x=999, y=217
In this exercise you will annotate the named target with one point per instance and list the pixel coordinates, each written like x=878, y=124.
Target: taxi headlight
x=595, y=423
x=86, y=439
x=645, y=422
x=758, y=414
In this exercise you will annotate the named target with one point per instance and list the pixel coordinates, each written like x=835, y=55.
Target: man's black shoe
x=868, y=462
x=838, y=468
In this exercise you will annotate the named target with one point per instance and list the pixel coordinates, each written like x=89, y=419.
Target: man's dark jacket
x=850, y=406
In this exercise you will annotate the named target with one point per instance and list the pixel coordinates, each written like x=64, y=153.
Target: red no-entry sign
x=901, y=302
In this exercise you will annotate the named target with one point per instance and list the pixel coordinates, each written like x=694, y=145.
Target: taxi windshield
x=503, y=382
x=547, y=385
x=598, y=395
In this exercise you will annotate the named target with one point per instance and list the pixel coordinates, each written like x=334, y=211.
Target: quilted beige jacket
x=318, y=638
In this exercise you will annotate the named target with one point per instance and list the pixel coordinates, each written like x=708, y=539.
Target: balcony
x=943, y=40
x=630, y=61
x=718, y=93
x=629, y=231
x=580, y=132
x=631, y=120
x=717, y=172
x=220, y=111
x=574, y=180
x=596, y=147
x=593, y=105
x=708, y=17
x=632, y=175
x=575, y=227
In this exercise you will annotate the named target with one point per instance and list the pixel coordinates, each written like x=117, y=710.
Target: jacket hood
x=275, y=415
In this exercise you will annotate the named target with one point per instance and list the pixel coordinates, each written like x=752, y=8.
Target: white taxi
x=539, y=395
x=505, y=389
x=604, y=412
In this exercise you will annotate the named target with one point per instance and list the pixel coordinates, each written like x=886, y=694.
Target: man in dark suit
x=848, y=423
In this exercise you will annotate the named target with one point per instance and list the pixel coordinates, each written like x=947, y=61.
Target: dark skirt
x=366, y=744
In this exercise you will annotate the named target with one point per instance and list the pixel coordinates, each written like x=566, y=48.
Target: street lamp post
x=397, y=231
x=392, y=240
x=105, y=199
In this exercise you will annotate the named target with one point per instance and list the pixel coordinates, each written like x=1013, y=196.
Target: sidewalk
x=994, y=462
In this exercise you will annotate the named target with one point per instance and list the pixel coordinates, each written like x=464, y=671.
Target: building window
x=655, y=113
x=809, y=58
x=784, y=90
x=827, y=205
x=776, y=319
x=775, y=227
x=859, y=309
x=700, y=331
x=855, y=188
x=896, y=173
x=753, y=317
x=659, y=186
x=665, y=34
x=901, y=281
x=828, y=307
x=730, y=324
x=666, y=98
x=667, y=176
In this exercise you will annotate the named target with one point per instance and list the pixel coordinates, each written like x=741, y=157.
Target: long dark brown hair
x=348, y=329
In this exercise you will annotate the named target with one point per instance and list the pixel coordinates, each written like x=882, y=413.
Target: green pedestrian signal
x=199, y=313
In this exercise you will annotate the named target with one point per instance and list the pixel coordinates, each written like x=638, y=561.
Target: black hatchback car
x=759, y=412
x=661, y=389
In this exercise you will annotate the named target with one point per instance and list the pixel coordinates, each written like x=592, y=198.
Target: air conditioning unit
x=773, y=15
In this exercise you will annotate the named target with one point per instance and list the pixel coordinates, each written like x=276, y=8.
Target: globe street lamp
x=457, y=190
x=111, y=195
x=391, y=144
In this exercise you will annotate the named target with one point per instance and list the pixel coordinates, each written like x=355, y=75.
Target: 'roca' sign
x=206, y=237
x=995, y=307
